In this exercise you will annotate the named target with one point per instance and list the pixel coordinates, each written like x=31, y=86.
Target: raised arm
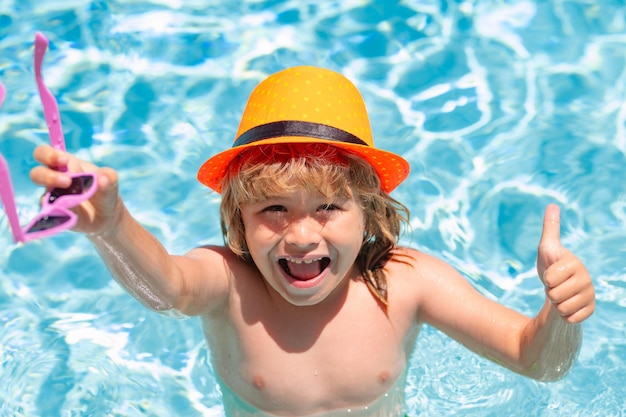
x=552, y=340
x=190, y=284
x=543, y=347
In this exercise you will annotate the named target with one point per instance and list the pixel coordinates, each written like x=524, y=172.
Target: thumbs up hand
x=567, y=282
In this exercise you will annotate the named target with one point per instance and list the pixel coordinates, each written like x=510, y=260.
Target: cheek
x=249, y=235
x=351, y=232
x=259, y=238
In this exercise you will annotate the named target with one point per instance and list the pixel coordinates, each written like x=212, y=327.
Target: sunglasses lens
x=79, y=185
x=48, y=222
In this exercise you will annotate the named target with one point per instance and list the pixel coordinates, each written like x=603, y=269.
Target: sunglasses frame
x=55, y=215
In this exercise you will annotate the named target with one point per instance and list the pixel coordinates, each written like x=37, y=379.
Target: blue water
x=501, y=108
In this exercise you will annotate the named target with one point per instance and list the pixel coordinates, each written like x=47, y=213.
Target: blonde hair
x=279, y=169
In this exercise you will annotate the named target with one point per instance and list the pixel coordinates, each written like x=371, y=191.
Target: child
x=311, y=308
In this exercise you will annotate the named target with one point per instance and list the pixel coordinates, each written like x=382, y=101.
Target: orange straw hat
x=307, y=105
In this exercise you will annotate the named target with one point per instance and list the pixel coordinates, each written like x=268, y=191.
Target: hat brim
x=391, y=168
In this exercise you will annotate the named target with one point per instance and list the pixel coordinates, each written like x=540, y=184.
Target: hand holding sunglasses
x=55, y=215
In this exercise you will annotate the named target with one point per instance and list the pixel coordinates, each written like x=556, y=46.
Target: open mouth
x=304, y=269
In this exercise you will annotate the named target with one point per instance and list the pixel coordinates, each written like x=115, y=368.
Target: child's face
x=304, y=244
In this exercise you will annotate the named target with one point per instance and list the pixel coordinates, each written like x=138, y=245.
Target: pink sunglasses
x=55, y=215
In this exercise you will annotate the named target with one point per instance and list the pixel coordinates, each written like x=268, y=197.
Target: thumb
x=551, y=232
x=550, y=249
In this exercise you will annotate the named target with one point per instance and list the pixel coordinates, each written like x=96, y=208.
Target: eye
x=329, y=207
x=275, y=208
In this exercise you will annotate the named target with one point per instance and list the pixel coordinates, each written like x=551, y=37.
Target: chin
x=305, y=302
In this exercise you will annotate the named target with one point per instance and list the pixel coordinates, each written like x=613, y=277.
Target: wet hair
x=279, y=169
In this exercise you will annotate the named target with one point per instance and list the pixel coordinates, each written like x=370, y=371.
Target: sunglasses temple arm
x=6, y=190
x=50, y=106
x=8, y=201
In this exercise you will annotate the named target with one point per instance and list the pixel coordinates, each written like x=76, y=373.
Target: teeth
x=306, y=261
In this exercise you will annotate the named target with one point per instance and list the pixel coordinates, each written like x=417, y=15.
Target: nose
x=303, y=233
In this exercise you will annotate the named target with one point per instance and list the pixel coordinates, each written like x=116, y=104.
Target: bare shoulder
x=211, y=251
x=220, y=261
x=209, y=274
x=417, y=264
x=426, y=270
x=417, y=278
x=409, y=272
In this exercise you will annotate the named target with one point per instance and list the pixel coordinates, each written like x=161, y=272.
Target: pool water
x=501, y=108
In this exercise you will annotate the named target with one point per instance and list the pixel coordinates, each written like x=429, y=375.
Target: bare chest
x=306, y=361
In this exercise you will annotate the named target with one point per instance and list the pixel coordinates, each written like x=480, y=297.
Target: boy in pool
x=311, y=308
